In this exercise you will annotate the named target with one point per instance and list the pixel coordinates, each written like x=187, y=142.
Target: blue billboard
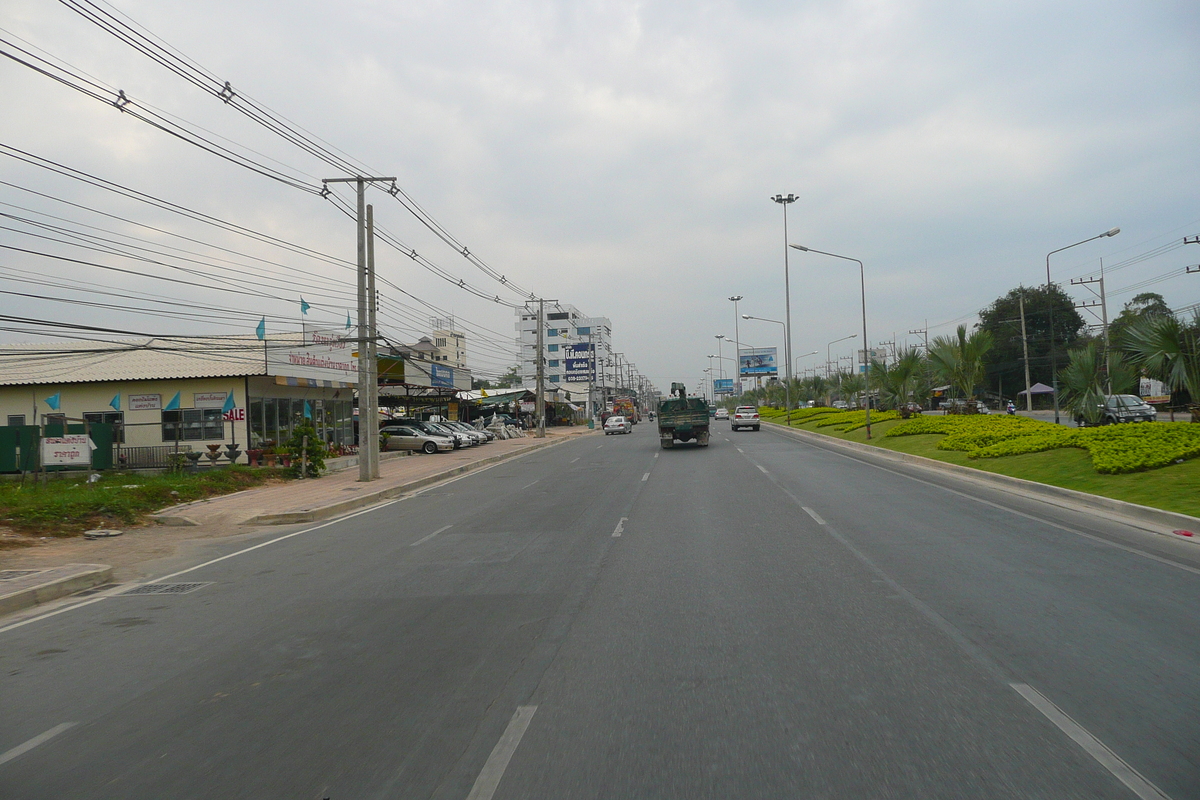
x=441, y=376
x=758, y=361
x=579, y=363
x=723, y=385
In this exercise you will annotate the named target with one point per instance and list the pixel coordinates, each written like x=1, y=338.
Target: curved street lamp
x=862, y=273
x=787, y=385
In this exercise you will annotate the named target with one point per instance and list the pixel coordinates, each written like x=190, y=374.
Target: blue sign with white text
x=441, y=376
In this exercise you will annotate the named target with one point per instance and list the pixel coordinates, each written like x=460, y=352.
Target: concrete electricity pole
x=1025, y=349
x=540, y=408
x=368, y=397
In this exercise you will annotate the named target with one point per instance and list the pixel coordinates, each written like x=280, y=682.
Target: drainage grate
x=165, y=588
x=13, y=574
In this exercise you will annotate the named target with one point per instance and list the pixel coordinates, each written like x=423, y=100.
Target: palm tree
x=1084, y=380
x=1169, y=351
x=958, y=360
x=898, y=382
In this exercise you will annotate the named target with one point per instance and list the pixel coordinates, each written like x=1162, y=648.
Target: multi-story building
x=450, y=343
x=575, y=349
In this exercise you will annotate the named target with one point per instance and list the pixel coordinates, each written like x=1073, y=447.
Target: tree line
x=1147, y=339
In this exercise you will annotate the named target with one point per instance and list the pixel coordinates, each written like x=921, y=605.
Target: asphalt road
x=604, y=619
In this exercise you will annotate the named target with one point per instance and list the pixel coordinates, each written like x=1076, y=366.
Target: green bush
x=1114, y=449
x=316, y=451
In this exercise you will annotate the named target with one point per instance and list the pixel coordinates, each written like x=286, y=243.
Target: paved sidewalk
x=339, y=492
x=39, y=574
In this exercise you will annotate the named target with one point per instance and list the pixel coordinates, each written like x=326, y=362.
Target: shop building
x=186, y=392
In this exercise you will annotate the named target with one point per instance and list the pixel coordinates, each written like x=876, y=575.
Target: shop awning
x=1037, y=388
x=501, y=399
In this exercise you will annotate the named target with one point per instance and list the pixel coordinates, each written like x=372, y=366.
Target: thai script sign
x=72, y=450
x=209, y=399
x=579, y=363
x=441, y=376
x=145, y=402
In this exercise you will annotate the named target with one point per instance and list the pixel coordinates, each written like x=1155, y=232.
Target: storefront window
x=193, y=424
x=257, y=431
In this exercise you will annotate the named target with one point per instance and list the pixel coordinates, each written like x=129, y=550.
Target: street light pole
x=862, y=273
x=737, y=344
x=787, y=386
x=1050, y=300
x=785, y=201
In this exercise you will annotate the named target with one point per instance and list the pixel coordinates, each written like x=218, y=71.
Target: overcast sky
x=620, y=156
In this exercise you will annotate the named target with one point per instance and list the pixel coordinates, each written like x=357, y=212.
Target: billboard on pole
x=723, y=385
x=579, y=363
x=758, y=361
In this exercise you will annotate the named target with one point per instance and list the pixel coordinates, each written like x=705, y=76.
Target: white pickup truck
x=744, y=417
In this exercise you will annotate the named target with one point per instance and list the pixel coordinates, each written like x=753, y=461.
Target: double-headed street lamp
x=866, y=356
x=1050, y=299
x=787, y=385
x=785, y=201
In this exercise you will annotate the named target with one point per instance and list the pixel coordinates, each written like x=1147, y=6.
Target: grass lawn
x=1172, y=488
x=68, y=506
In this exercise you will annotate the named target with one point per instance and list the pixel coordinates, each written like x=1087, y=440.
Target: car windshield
x=1126, y=400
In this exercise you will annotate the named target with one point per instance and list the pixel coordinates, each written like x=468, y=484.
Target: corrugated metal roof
x=157, y=358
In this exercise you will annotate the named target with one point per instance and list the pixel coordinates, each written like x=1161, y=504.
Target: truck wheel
x=702, y=439
x=667, y=443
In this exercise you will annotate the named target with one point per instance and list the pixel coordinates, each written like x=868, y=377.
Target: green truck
x=682, y=418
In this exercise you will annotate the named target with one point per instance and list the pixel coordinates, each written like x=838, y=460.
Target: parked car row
x=431, y=437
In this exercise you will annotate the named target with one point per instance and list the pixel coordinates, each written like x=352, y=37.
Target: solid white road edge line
x=814, y=515
x=1095, y=748
x=425, y=539
x=493, y=770
x=334, y=521
x=617, y=531
x=41, y=738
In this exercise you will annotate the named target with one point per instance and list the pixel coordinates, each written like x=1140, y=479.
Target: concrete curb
x=1139, y=516
x=392, y=492
x=50, y=584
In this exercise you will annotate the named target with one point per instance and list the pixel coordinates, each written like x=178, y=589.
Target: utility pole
x=924, y=334
x=1091, y=304
x=372, y=455
x=540, y=407
x=368, y=417
x=1025, y=348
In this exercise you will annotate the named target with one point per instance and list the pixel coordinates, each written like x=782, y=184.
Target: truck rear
x=682, y=418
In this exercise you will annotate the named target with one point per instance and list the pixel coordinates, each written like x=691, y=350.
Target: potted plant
x=269, y=455
x=254, y=454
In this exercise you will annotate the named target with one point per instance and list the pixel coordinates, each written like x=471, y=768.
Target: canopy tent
x=1037, y=388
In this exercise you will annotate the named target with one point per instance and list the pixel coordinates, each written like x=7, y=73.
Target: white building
x=450, y=343
x=575, y=349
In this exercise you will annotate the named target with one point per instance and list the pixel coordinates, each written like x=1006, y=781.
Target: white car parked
x=617, y=425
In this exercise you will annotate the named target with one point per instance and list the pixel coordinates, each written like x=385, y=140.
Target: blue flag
x=116, y=402
x=304, y=307
x=228, y=403
x=174, y=404
x=53, y=400
x=261, y=330
x=307, y=410
x=347, y=320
